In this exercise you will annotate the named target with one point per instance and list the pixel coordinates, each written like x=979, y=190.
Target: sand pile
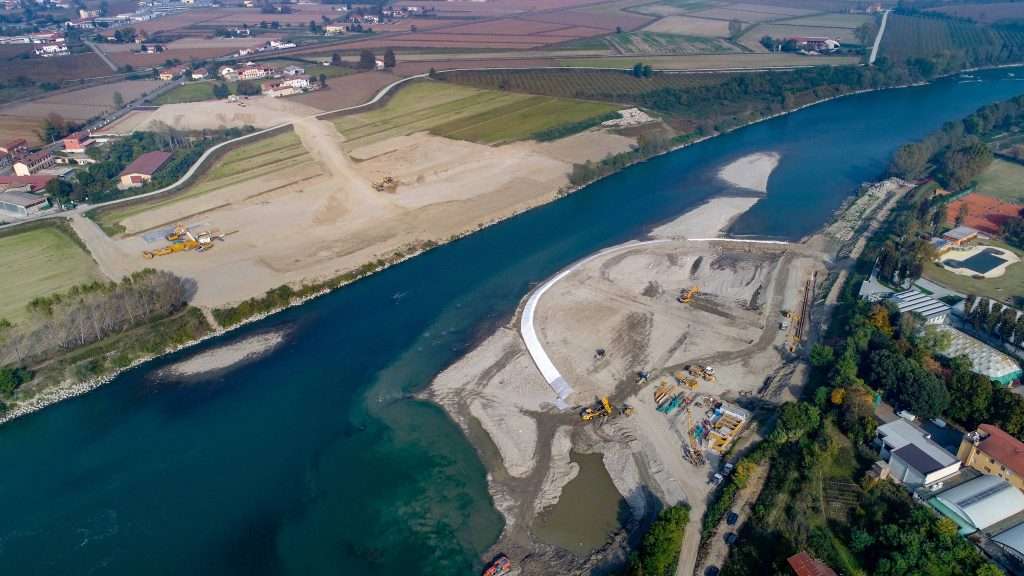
x=751, y=172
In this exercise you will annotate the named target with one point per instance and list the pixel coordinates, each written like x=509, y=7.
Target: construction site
x=664, y=350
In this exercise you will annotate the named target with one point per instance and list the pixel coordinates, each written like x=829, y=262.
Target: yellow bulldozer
x=687, y=296
x=604, y=408
x=186, y=241
x=687, y=381
x=178, y=234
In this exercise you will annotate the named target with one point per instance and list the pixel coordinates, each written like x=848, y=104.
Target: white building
x=293, y=70
x=985, y=360
x=334, y=29
x=914, y=459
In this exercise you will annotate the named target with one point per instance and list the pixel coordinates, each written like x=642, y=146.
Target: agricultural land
x=38, y=262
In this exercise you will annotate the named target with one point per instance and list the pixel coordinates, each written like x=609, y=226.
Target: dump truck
x=604, y=408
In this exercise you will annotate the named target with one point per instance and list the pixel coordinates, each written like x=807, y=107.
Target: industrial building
x=990, y=450
x=1012, y=540
x=985, y=360
x=979, y=503
x=19, y=202
x=914, y=459
x=933, y=311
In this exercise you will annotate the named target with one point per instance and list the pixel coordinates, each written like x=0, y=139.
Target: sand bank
x=751, y=172
x=708, y=220
x=227, y=356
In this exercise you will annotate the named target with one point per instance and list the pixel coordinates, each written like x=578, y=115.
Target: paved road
x=101, y=54
x=878, y=37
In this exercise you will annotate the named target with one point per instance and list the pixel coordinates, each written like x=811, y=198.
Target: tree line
x=990, y=317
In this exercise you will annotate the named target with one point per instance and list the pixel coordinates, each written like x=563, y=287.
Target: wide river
x=315, y=459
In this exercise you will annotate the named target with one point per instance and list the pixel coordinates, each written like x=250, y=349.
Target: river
x=315, y=459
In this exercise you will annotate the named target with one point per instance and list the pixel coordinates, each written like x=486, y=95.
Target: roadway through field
x=878, y=37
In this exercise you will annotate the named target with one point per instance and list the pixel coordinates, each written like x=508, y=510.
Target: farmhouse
x=931, y=310
x=960, y=235
x=815, y=43
x=77, y=142
x=200, y=74
x=914, y=459
x=990, y=450
x=979, y=503
x=985, y=360
x=17, y=201
x=141, y=170
x=334, y=29
x=378, y=65
x=32, y=163
x=171, y=73
x=285, y=87
x=15, y=147
x=255, y=72
x=228, y=73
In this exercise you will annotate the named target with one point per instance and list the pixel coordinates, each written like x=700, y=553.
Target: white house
x=334, y=29
x=293, y=70
x=227, y=72
x=914, y=458
x=379, y=65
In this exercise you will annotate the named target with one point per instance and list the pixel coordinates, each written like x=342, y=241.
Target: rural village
x=697, y=400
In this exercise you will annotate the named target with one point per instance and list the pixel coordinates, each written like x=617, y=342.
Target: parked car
x=730, y=538
x=731, y=518
x=711, y=571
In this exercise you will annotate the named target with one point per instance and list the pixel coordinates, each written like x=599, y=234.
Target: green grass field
x=1009, y=285
x=454, y=111
x=191, y=92
x=1003, y=180
x=38, y=262
x=313, y=68
x=248, y=162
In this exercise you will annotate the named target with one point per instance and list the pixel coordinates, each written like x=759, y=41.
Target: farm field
x=987, y=13
x=752, y=37
x=13, y=127
x=1003, y=180
x=690, y=26
x=657, y=43
x=911, y=37
x=346, y=91
x=62, y=70
x=715, y=61
x=851, y=21
x=281, y=154
x=1003, y=288
x=986, y=213
x=313, y=68
x=38, y=262
x=464, y=113
x=192, y=92
x=81, y=104
x=592, y=84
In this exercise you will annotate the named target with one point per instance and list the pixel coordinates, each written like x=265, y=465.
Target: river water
x=314, y=459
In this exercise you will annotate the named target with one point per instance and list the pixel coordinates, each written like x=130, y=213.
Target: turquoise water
x=314, y=459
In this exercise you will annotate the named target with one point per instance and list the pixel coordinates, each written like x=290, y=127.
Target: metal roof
x=984, y=501
x=900, y=433
x=1012, y=538
x=961, y=232
x=918, y=459
x=919, y=302
x=23, y=199
x=985, y=360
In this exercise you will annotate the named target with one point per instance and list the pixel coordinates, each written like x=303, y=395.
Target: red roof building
x=803, y=565
x=77, y=142
x=141, y=170
x=15, y=147
x=37, y=182
x=34, y=162
x=991, y=450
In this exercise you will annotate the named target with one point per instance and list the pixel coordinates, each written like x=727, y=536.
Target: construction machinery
x=671, y=405
x=687, y=296
x=705, y=372
x=604, y=408
x=178, y=233
x=627, y=410
x=187, y=241
x=685, y=380
x=385, y=183
x=663, y=392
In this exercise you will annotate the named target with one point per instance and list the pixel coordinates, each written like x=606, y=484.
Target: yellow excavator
x=187, y=241
x=686, y=296
x=179, y=232
x=602, y=409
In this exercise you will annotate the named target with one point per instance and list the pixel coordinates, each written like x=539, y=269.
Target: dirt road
x=743, y=506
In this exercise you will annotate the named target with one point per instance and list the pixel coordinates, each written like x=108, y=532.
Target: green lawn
x=1003, y=180
x=260, y=158
x=1009, y=285
x=313, y=68
x=38, y=262
x=191, y=92
x=453, y=111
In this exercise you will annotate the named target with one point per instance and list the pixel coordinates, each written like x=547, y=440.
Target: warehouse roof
x=148, y=163
x=917, y=301
x=1012, y=538
x=18, y=198
x=985, y=360
x=984, y=501
x=961, y=233
x=919, y=459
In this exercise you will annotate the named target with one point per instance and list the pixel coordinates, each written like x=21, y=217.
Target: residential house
x=914, y=459
x=379, y=65
x=171, y=73
x=979, y=503
x=77, y=142
x=255, y=72
x=815, y=43
x=293, y=70
x=227, y=73
x=334, y=29
x=200, y=74
x=141, y=170
x=31, y=163
x=990, y=450
x=286, y=87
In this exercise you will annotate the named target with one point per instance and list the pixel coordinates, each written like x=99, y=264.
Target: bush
x=659, y=551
